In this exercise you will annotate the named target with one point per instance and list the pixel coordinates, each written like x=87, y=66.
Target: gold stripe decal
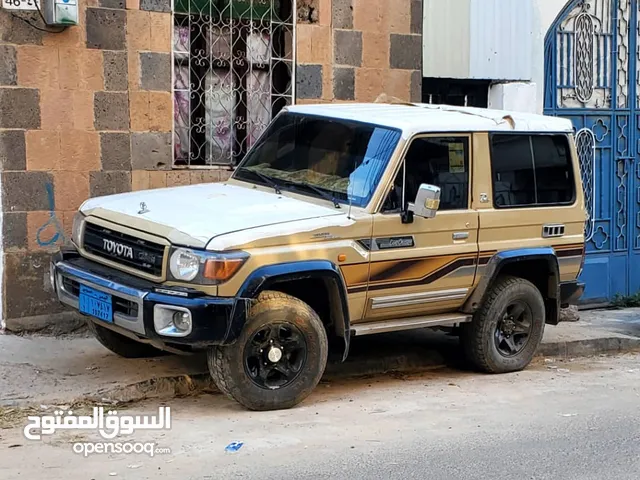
x=423, y=271
x=410, y=272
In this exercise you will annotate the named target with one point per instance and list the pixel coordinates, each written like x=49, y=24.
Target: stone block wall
x=89, y=112
x=358, y=49
x=79, y=111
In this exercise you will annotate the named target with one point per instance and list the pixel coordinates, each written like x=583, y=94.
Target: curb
x=589, y=347
x=191, y=385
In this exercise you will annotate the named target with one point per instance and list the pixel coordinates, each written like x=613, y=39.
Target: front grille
x=119, y=247
x=120, y=305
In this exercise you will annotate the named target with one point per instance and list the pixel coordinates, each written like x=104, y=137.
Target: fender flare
x=264, y=277
x=507, y=257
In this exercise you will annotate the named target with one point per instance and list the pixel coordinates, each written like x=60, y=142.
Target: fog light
x=182, y=321
x=172, y=321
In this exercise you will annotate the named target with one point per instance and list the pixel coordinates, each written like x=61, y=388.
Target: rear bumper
x=135, y=302
x=570, y=293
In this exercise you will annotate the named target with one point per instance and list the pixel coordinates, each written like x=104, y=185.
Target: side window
x=554, y=173
x=530, y=170
x=513, y=177
x=439, y=161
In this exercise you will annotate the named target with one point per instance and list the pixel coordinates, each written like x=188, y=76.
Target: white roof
x=418, y=117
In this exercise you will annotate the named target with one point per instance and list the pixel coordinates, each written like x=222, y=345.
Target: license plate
x=96, y=304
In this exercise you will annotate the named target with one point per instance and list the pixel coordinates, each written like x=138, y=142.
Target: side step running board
x=385, y=326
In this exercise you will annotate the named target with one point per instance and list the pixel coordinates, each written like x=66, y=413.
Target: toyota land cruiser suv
x=342, y=220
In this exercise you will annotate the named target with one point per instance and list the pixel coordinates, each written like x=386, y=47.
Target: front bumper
x=135, y=302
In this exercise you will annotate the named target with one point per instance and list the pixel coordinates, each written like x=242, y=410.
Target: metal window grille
x=584, y=67
x=233, y=71
x=586, y=146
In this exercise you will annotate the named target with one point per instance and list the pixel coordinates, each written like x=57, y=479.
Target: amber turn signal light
x=222, y=269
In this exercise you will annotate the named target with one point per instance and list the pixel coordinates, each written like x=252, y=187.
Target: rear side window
x=531, y=170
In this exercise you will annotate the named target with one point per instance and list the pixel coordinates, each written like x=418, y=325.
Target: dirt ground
x=36, y=369
x=391, y=426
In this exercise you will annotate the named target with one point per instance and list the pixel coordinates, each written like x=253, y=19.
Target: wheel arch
x=538, y=265
x=292, y=278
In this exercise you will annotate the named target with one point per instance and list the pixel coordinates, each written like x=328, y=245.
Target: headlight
x=202, y=267
x=184, y=265
x=76, y=230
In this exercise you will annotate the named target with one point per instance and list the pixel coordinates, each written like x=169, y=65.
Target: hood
x=193, y=215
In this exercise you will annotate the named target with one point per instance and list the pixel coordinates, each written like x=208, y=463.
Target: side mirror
x=427, y=201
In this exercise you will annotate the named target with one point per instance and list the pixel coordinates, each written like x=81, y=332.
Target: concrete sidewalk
x=40, y=370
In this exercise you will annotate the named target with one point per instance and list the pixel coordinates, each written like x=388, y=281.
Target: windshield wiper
x=319, y=191
x=299, y=186
x=265, y=178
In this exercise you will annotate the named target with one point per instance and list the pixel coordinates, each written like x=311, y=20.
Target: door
x=530, y=195
x=592, y=77
x=427, y=266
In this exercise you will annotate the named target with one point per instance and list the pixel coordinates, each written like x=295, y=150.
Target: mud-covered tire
x=121, y=345
x=483, y=339
x=229, y=366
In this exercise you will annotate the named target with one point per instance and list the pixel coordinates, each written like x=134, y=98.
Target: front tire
x=277, y=360
x=507, y=330
x=121, y=345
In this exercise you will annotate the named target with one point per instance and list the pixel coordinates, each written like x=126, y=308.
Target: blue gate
x=592, y=66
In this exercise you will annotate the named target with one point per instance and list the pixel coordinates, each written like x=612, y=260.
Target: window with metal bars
x=233, y=72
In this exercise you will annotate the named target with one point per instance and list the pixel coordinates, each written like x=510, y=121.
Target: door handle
x=460, y=235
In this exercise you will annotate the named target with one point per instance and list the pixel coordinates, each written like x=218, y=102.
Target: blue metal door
x=592, y=72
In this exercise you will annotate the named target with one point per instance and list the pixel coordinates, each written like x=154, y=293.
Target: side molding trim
x=418, y=298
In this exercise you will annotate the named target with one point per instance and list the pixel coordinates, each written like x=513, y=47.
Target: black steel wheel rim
x=514, y=329
x=275, y=355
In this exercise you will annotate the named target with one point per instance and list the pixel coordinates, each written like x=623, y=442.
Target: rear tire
x=279, y=357
x=121, y=345
x=507, y=330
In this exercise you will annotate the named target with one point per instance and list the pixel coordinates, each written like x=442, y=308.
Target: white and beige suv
x=343, y=220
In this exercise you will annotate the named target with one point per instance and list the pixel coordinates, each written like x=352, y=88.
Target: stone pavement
x=44, y=370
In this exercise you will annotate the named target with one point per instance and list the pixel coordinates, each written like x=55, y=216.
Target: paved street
x=571, y=420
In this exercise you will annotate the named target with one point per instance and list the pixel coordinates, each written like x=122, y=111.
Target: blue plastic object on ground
x=233, y=447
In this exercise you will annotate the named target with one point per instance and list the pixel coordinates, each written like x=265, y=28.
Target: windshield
x=305, y=153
